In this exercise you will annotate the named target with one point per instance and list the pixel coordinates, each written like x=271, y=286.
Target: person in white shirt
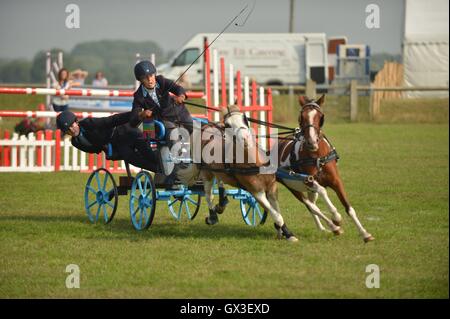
x=61, y=103
x=100, y=80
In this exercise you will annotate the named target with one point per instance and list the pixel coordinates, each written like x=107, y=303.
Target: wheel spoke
x=98, y=180
x=192, y=201
x=259, y=212
x=98, y=212
x=104, y=182
x=253, y=215
x=173, y=202
x=92, y=204
x=140, y=218
x=91, y=189
x=180, y=209
x=110, y=205
x=145, y=185
x=135, y=212
x=188, y=211
x=105, y=213
x=145, y=214
x=140, y=186
x=248, y=210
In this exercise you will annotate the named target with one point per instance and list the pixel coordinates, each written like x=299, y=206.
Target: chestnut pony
x=243, y=175
x=311, y=153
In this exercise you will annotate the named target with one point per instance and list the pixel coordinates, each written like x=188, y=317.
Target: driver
x=111, y=134
x=154, y=95
x=153, y=99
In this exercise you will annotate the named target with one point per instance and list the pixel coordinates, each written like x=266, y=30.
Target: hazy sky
x=29, y=26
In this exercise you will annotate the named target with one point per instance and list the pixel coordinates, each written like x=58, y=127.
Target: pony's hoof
x=292, y=239
x=338, y=231
x=219, y=209
x=337, y=222
x=222, y=204
x=211, y=221
x=368, y=238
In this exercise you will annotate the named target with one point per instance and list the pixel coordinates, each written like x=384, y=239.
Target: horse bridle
x=230, y=113
x=315, y=106
x=318, y=162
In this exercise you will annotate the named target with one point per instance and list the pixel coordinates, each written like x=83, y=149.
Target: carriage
x=146, y=189
x=145, y=192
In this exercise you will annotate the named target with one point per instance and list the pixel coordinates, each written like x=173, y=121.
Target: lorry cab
x=270, y=58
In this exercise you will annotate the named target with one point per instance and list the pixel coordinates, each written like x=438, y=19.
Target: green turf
x=397, y=179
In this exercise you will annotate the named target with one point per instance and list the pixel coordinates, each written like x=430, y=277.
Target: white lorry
x=270, y=58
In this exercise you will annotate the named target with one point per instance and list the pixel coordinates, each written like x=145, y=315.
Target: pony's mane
x=230, y=108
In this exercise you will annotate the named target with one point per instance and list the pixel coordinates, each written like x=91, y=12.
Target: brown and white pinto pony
x=263, y=187
x=311, y=153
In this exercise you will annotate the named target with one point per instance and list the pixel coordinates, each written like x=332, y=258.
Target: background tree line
x=115, y=58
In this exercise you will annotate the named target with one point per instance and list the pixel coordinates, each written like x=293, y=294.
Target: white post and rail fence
x=46, y=151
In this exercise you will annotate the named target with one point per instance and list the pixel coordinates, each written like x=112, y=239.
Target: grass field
x=396, y=176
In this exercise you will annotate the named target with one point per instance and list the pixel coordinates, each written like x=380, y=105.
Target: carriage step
x=124, y=181
x=196, y=187
x=123, y=190
x=167, y=186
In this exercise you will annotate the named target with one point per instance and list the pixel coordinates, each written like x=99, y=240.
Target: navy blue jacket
x=167, y=109
x=95, y=133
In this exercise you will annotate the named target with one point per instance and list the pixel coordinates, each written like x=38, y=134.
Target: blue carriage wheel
x=100, y=196
x=142, y=201
x=251, y=211
x=184, y=205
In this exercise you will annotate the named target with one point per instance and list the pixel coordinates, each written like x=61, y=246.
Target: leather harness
x=318, y=162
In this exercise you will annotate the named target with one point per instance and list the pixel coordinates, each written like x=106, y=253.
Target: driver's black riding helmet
x=143, y=68
x=64, y=120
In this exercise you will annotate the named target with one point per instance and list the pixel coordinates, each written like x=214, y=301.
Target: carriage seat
x=111, y=153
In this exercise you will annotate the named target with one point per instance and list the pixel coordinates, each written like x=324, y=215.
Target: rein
x=268, y=124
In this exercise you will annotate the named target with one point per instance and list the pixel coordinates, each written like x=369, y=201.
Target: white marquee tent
x=425, y=45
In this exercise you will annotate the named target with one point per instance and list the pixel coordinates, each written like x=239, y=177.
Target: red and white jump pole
x=79, y=92
x=42, y=114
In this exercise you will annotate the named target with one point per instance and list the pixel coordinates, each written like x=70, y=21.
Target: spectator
x=100, y=80
x=79, y=76
x=61, y=103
